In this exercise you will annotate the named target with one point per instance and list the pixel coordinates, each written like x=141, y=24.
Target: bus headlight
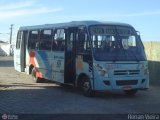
x=103, y=73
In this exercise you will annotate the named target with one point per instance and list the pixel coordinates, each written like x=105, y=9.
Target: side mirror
x=138, y=35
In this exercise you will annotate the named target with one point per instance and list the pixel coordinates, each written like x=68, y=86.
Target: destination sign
x=98, y=30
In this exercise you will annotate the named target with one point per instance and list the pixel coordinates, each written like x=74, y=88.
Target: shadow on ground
x=63, y=88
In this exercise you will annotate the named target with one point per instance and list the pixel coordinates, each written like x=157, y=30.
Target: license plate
x=127, y=87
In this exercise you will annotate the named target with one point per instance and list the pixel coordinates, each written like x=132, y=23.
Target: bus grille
x=126, y=82
x=126, y=72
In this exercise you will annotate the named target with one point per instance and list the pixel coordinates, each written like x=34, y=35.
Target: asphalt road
x=18, y=94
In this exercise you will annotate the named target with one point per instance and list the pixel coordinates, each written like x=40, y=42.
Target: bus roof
x=72, y=24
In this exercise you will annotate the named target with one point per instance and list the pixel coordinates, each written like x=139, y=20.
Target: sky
x=144, y=15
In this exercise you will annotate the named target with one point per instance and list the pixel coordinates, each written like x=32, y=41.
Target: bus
x=91, y=55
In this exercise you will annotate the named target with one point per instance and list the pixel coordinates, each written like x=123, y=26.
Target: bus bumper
x=127, y=83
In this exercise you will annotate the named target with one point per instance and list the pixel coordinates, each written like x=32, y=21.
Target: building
x=6, y=49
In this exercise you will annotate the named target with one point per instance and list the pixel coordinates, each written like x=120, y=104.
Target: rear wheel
x=131, y=92
x=35, y=78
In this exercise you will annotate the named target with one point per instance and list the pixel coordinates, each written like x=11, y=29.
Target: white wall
x=5, y=49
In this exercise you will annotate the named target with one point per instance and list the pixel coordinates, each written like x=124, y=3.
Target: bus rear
x=119, y=60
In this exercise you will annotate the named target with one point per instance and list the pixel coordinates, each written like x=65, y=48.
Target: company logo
x=4, y=116
x=9, y=117
x=128, y=73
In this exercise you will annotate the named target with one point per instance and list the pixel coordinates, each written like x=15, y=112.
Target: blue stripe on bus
x=44, y=57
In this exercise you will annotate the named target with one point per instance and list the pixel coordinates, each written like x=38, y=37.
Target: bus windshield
x=116, y=43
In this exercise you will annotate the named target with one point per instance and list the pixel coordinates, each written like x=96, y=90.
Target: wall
x=4, y=49
x=153, y=55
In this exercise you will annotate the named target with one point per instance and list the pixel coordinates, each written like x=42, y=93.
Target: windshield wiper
x=135, y=56
x=116, y=56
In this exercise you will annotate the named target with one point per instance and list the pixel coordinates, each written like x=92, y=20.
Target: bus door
x=59, y=55
x=20, y=52
x=70, y=55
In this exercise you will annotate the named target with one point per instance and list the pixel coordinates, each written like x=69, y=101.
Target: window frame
x=41, y=39
x=37, y=41
x=19, y=40
x=55, y=40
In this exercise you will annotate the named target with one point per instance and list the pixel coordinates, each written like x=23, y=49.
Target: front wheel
x=87, y=87
x=131, y=92
x=35, y=78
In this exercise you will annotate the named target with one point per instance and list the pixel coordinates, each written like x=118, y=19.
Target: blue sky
x=144, y=15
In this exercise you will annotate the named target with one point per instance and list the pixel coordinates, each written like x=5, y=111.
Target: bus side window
x=33, y=42
x=54, y=43
x=82, y=42
x=70, y=42
x=19, y=38
x=45, y=40
x=59, y=40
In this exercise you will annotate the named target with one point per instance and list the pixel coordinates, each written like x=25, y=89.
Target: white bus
x=92, y=55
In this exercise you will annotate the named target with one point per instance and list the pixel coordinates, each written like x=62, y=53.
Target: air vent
x=126, y=72
x=126, y=82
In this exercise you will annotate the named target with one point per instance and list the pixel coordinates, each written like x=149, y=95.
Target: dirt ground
x=19, y=94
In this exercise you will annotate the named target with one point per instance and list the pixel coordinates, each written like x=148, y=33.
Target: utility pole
x=10, y=42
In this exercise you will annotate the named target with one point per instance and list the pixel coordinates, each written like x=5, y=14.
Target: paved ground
x=18, y=94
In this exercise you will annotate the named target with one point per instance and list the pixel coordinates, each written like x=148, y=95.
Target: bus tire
x=35, y=78
x=87, y=87
x=131, y=92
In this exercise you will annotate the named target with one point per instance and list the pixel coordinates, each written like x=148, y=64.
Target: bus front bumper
x=125, y=83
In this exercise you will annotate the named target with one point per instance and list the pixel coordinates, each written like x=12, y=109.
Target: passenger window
x=46, y=40
x=33, y=42
x=19, y=38
x=70, y=42
x=82, y=41
x=59, y=40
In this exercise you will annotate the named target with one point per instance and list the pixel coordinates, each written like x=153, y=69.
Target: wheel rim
x=86, y=86
x=34, y=74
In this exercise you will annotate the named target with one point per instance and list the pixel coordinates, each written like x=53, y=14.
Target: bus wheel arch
x=85, y=84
